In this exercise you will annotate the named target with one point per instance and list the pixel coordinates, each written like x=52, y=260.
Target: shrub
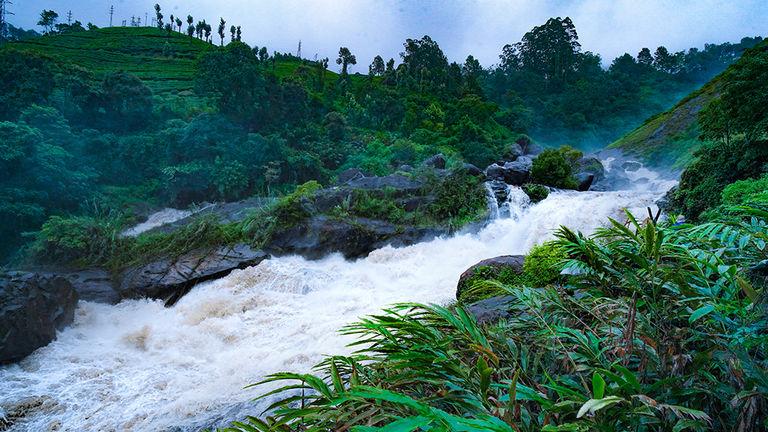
x=459, y=199
x=553, y=168
x=543, y=264
x=77, y=241
x=745, y=191
x=535, y=192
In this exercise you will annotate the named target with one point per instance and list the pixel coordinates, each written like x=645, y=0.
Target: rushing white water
x=159, y=218
x=138, y=366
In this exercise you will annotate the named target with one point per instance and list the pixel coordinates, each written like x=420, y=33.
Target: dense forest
x=96, y=142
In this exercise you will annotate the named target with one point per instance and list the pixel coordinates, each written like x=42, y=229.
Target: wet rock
x=169, y=279
x=349, y=174
x=472, y=170
x=405, y=168
x=397, y=182
x=353, y=238
x=32, y=308
x=584, y=181
x=631, y=166
x=492, y=309
x=436, y=161
x=515, y=151
x=667, y=202
x=490, y=268
x=514, y=173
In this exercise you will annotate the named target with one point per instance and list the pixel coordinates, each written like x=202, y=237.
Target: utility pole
x=145, y=18
x=4, y=12
x=111, y=12
x=69, y=17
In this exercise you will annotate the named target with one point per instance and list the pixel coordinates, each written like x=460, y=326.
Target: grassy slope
x=669, y=139
x=137, y=50
x=141, y=51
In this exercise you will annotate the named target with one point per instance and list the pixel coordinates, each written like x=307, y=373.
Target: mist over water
x=140, y=366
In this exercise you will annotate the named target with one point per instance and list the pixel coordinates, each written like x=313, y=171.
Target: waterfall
x=506, y=201
x=139, y=366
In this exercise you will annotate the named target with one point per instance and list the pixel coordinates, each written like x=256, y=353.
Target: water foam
x=139, y=366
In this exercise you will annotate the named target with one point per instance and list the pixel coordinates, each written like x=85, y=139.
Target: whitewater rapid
x=138, y=366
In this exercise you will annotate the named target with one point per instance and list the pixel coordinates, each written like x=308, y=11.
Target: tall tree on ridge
x=48, y=20
x=222, y=26
x=345, y=59
x=159, y=16
x=377, y=67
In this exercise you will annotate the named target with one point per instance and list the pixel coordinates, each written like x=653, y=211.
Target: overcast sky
x=478, y=27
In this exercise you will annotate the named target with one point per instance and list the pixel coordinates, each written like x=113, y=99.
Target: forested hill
x=671, y=138
x=110, y=120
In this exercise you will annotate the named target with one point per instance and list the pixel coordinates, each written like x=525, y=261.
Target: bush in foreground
x=655, y=330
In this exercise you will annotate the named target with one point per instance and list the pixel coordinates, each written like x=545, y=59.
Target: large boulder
x=515, y=173
x=32, y=308
x=397, y=182
x=584, y=181
x=354, y=238
x=349, y=174
x=587, y=171
x=437, y=161
x=492, y=309
x=495, y=268
x=169, y=279
x=514, y=151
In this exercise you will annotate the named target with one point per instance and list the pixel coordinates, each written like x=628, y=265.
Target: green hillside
x=670, y=139
x=165, y=63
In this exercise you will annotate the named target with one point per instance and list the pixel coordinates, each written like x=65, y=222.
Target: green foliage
x=459, y=199
x=746, y=192
x=651, y=332
x=79, y=240
x=536, y=192
x=543, y=264
x=554, y=168
x=717, y=165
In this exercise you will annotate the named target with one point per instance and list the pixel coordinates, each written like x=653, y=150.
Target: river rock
x=349, y=174
x=492, y=309
x=32, y=308
x=472, y=170
x=353, y=238
x=515, y=151
x=398, y=182
x=170, y=278
x=514, y=173
x=437, y=161
x=490, y=268
x=584, y=181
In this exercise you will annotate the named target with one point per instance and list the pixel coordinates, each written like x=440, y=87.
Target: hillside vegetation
x=164, y=62
x=671, y=138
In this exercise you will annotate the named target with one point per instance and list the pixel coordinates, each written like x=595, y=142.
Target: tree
x=127, y=101
x=550, y=50
x=472, y=72
x=233, y=76
x=239, y=34
x=25, y=78
x=178, y=23
x=159, y=16
x=208, y=31
x=48, y=20
x=190, y=20
x=168, y=29
x=644, y=57
x=222, y=26
x=191, y=30
x=345, y=59
x=377, y=67
x=233, y=31
x=663, y=60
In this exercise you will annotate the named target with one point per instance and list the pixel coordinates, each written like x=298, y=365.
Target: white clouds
x=478, y=27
